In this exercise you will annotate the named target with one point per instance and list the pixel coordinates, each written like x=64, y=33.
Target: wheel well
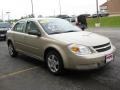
x=50, y=49
x=9, y=41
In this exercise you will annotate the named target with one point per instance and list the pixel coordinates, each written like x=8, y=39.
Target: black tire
x=12, y=50
x=5, y=38
x=57, y=59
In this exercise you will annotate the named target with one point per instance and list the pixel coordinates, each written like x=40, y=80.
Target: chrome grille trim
x=103, y=47
x=3, y=32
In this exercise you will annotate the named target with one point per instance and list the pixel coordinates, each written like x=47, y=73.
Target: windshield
x=5, y=25
x=55, y=26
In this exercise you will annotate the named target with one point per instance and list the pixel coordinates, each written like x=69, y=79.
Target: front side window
x=31, y=27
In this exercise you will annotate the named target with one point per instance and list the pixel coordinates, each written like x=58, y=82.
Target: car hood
x=3, y=29
x=82, y=37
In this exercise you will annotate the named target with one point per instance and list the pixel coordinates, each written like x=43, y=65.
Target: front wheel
x=54, y=62
x=12, y=50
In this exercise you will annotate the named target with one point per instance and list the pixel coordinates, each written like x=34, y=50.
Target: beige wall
x=113, y=6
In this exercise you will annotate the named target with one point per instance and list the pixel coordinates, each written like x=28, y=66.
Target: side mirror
x=34, y=32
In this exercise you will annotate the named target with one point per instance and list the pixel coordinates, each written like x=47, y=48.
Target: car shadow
x=32, y=61
x=84, y=74
x=2, y=40
x=68, y=74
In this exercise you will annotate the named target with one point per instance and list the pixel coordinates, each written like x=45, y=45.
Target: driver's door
x=32, y=41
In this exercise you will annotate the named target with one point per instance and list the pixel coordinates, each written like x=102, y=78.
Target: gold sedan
x=60, y=44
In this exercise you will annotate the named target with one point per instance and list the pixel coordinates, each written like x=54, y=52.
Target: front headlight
x=79, y=49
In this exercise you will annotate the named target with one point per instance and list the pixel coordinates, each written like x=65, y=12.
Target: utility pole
x=54, y=12
x=97, y=24
x=97, y=11
x=60, y=6
x=32, y=8
x=2, y=15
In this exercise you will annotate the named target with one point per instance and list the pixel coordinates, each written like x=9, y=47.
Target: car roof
x=35, y=19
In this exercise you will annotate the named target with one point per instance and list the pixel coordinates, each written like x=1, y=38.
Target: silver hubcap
x=10, y=49
x=53, y=63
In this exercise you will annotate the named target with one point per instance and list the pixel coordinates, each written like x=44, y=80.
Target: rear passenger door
x=18, y=34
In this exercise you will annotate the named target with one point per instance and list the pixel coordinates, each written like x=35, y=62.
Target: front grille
x=3, y=32
x=103, y=47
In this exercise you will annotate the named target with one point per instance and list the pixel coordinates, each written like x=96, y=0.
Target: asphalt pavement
x=25, y=73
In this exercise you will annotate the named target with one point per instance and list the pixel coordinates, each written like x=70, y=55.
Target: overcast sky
x=20, y=8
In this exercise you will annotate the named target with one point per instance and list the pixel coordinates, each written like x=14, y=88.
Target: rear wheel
x=54, y=62
x=12, y=50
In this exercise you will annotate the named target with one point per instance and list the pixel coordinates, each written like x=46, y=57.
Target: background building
x=111, y=6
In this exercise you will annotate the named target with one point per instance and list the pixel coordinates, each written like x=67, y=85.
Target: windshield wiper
x=63, y=32
x=55, y=32
x=70, y=31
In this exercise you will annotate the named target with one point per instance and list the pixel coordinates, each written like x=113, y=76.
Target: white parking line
x=17, y=72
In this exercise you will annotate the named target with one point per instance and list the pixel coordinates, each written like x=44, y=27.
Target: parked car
x=86, y=15
x=63, y=16
x=59, y=44
x=4, y=27
x=71, y=19
x=100, y=15
x=68, y=18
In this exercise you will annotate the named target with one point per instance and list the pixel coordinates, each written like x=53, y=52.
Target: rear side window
x=19, y=27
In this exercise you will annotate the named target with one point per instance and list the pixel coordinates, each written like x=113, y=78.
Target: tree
x=28, y=16
x=39, y=16
x=1, y=20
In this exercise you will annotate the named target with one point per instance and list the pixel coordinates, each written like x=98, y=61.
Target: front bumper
x=2, y=35
x=86, y=62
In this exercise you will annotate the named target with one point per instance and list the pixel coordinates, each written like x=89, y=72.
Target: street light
x=60, y=6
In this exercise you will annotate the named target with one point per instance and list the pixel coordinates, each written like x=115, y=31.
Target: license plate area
x=109, y=58
x=2, y=35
